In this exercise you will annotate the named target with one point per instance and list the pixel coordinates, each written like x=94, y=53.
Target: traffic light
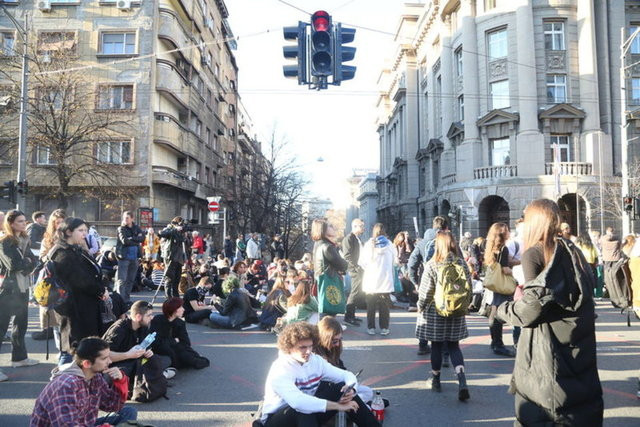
x=298, y=52
x=321, y=45
x=343, y=54
x=22, y=187
x=627, y=203
x=9, y=192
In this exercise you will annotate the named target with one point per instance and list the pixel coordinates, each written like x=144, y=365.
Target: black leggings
x=436, y=354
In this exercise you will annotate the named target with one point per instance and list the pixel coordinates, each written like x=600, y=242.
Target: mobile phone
x=348, y=389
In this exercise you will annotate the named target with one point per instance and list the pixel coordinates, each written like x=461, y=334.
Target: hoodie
x=377, y=260
x=72, y=400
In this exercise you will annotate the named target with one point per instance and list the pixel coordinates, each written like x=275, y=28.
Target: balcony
x=171, y=29
x=168, y=176
x=448, y=179
x=505, y=171
x=570, y=168
x=168, y=132
x=170, y=81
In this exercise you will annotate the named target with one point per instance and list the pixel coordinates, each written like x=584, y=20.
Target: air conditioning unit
x=124, y=4
x=44, y=5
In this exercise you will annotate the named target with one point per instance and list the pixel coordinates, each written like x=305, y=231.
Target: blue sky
x=336, y=124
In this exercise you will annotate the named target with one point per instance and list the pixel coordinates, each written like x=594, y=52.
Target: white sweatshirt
x=293, y=384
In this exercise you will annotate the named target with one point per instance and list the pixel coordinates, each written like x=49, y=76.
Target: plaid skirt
x=430, y=326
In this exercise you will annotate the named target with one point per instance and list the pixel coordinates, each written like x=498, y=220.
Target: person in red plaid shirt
x=79, y=389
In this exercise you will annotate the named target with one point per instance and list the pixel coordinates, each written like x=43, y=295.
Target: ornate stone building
x=484, y=100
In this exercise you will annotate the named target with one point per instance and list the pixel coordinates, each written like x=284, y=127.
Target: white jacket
x=377, y=260
x=293, y=384
x=253, y=250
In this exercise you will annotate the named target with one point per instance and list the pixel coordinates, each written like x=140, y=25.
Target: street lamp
x=22, y=136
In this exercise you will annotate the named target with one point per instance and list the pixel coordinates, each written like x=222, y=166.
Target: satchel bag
x=331, y=299
x=397, y=284
x=496, y=281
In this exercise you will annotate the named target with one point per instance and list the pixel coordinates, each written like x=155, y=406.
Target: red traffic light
x=320, y=21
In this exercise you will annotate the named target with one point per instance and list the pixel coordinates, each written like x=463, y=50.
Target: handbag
x=397, y=284
x=496, y=281
x=331, y=298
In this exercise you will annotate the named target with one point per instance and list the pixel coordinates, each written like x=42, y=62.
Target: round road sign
x=214, y=206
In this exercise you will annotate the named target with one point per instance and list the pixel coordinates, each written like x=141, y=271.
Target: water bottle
x=377, y=407
x=147, y=341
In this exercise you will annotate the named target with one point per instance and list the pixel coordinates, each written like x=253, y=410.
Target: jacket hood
x=69, y=368
x=430, y=234
x=381, y=242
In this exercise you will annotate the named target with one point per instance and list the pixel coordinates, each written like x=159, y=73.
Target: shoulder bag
x=496, y=281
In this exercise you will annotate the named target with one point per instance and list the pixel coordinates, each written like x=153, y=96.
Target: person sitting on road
x=275, y=305
x=79, y=389
x=195, y=309
x=172, y=338
x=302, y=306
x=294, y=395
x=223, y=274
x=112, y=308
x=124, y=336
x=238, y=310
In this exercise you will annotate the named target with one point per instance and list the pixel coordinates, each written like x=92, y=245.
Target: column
x=529, y=141
x=447, y=97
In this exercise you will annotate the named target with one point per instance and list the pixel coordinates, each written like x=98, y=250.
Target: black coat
x=326, y=259
x=351, y=252
x=82, y=276
x=171, y=244
x=555, y=366
x=238, y=307
x=128, y=236
x=12, y=260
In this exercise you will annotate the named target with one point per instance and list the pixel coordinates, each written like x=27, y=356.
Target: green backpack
x=453, y=291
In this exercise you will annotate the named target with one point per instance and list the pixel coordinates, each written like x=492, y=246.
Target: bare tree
x=80, y=148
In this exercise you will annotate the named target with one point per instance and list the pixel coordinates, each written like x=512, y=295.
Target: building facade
x=490, y=104
x=368, y=203
x=353, y=209
x=167, y=70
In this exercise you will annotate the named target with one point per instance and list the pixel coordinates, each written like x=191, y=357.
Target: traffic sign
x=214, y=206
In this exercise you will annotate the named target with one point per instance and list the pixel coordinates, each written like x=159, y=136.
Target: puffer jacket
x=327, y=260
x=555, y=366
x=376, y=258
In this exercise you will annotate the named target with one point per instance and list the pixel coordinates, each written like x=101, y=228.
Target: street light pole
x=22, y=135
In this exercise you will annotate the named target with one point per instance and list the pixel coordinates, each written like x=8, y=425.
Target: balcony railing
x=170, y=80
x=171, y=28
x=168, y=176
x=570, y=168
x=448, y=179
x=504, y=171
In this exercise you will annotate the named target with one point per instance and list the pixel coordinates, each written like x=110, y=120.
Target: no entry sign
x=214, y=206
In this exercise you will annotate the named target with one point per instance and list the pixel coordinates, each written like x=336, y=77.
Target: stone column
x=530, y=142
x=469, y=153
x=592, y=135
x=447, y=97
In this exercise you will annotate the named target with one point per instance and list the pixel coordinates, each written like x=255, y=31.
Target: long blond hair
x=541, y=225
x=50, y=232
x=445, y=244
x=496, y=239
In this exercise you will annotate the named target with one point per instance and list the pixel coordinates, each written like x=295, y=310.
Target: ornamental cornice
x=426, y=24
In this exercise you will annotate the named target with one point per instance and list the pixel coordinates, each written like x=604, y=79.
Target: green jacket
x=302, y=312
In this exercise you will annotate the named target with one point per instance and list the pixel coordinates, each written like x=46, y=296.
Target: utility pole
x=22, y=135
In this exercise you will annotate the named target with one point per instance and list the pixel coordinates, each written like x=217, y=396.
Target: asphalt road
x=227, y=392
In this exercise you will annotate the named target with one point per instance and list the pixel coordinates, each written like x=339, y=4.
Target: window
x=435, y=172
x=490, y=4
x=499, y=94
x=118, y=43
x=554, y=35
x=7, y=44
x=635, y=91
x=118, y=97
x=229, y=157
x=207, y=172
x=44, y=156
x=635, y=44
x=198, y=129
x=461, y=107
x=556, y=88
x=208, y=100
x=51, y=44
x=560, y=148
x=458, y=59
x=497, y=41
x=51, y=98
x=114, y=152
x=207, y=139
x=500, y=152
x=6, y=154
x=215, y=142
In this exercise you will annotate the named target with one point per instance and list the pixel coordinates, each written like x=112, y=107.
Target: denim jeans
x=126, y=274
x=127, y=413
x=220, y=320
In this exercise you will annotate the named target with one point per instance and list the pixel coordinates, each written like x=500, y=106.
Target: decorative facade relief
x=556, y=60
x=498, y=69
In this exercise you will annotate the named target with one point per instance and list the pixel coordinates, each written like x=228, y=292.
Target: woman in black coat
x=16, y=263
x=172, y=338
x=555, y=377
x=81, y=275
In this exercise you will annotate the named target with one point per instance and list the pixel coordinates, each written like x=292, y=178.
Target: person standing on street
x=172, y=246
x=610, y=246
x=130, y=236
x=326, y=259
x=403, y=249
x=277, y=247
x=151, y=245
x=16, y=263
x=36, y=229
x=253, y=248
x=555, y=377
x=441, y=330
x=197, y=245
x=351, y=246
x=241, y=249
x=377, y=260
x=228, y=250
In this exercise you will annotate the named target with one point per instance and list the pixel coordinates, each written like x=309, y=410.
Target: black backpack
x=618, y=283
x=149, y=382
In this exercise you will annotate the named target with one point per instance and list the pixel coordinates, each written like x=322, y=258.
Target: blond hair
x=541, y=225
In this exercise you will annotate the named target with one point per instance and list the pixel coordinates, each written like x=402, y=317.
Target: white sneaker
x=3, y=377
x=169, y=373
x=25, y=362
x=384, y=332
x=371, y=331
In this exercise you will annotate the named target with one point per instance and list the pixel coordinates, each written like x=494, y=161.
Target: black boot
x=463, y=390
x=433, y=382
x=445, y=360
x=350, y=316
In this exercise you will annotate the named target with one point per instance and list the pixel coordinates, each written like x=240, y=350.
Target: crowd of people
x=540, y=279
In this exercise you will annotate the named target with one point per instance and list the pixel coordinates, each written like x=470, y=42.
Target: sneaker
x=371, y=331
x=384, y=331
x=249, y=327
x=169, y=373
x=424, y=350
x=433, y=383
x=351, y=321
x=3, y=377
x=25, y=362
x=412, y=309
x=504, y=351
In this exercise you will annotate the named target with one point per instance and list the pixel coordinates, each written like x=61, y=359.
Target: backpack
x=453, y=291
x=618, y=279
x=49, y=292
x=149, y=383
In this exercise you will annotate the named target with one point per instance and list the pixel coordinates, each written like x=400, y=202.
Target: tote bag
x=496, y=281
x=331, y=299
